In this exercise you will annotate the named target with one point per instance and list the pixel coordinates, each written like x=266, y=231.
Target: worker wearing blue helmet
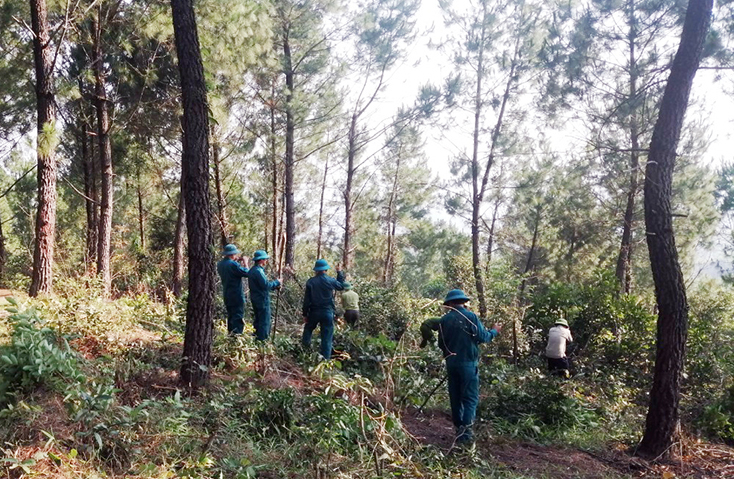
x=459, y=334
x=260, y=289
x=318, y=306
x=231, y=270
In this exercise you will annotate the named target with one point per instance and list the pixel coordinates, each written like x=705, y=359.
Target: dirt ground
x=697, y=461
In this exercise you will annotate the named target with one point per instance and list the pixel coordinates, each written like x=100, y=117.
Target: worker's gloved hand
x=424, y=343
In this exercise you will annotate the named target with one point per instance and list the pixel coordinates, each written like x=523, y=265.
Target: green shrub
x=717, y=419
x=610, y=331
x=36, y=356
x=536, y=407
x=273, y=411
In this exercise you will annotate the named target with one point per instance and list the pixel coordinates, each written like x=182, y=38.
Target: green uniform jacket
x=350, y=301
x=459, y=334
x=232, y=273
x=319, y=292
x=260, y=287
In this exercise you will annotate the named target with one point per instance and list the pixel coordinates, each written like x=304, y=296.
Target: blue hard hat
x=456, y=295
x=230, y=249
x=260, y=254
x=321, y=265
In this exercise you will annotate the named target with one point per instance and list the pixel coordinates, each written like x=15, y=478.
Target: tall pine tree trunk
x=321, y=210
x=490, y=239
x=391, y=223
x=624, y=259
x=290, y=206
x=93, y=226
x=104, y=237
x=670, y=292
x=43, y=55
x=90, y=206
x=221, y=207
x=179, y=243
x=274, y=179
x=3, y=255
x=200, y=306
x=141, y=216
x=348, y=250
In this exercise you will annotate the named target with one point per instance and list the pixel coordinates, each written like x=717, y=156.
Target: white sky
x=426, y=65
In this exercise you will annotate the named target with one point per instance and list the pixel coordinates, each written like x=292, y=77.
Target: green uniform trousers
x=464, y=396
x=325, y=319
x=235, y=315
x=261, y=321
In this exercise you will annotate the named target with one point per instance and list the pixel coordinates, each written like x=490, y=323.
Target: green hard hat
x=562, y=322
x=456, y=295
x=260, y=254
x=321, y=265
x=229, y=250
x=347, y=285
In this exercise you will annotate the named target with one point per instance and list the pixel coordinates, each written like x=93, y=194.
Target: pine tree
x=200, y=306
x=670, y=292
x=47, y=139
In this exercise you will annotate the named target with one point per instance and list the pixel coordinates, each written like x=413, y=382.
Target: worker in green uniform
x=318, y=306
x=459, y=334
x=350, y=304
x=231, y=270
x=260, y=289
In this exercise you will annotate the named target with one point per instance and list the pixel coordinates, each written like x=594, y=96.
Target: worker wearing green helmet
x=231, y=270
x=459, y=334
x=260, y=289
x=318, y=306
x=350, y=304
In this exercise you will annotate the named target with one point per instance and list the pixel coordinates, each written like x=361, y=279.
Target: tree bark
x=490, y=239
x=391, y=226
x=200, y=306
x=524, y=282
x=221, y=207
x=179, y=243
x=141, y=216
x=348, y=251
x=290, y=207
x=43, y=55
x=321, y=210
x=87, y=162
x=476, y=194
x=479, y=190
x=3, y=255
x=93, y=227
x=274, y=163
x=670, y=292
x=624, y=259
x=104, y=237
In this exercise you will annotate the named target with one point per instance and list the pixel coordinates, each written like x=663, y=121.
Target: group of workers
x=460, y=332
x=318, y=298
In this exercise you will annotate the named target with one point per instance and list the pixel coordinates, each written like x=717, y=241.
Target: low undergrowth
x=89, y=388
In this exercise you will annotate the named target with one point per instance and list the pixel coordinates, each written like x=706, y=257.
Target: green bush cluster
x=611, y=331
x=708, y=383
x=537, y=407
x=37, y=355
x=389, y=311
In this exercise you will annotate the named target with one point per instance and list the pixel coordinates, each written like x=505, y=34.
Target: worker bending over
x=459, y=334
